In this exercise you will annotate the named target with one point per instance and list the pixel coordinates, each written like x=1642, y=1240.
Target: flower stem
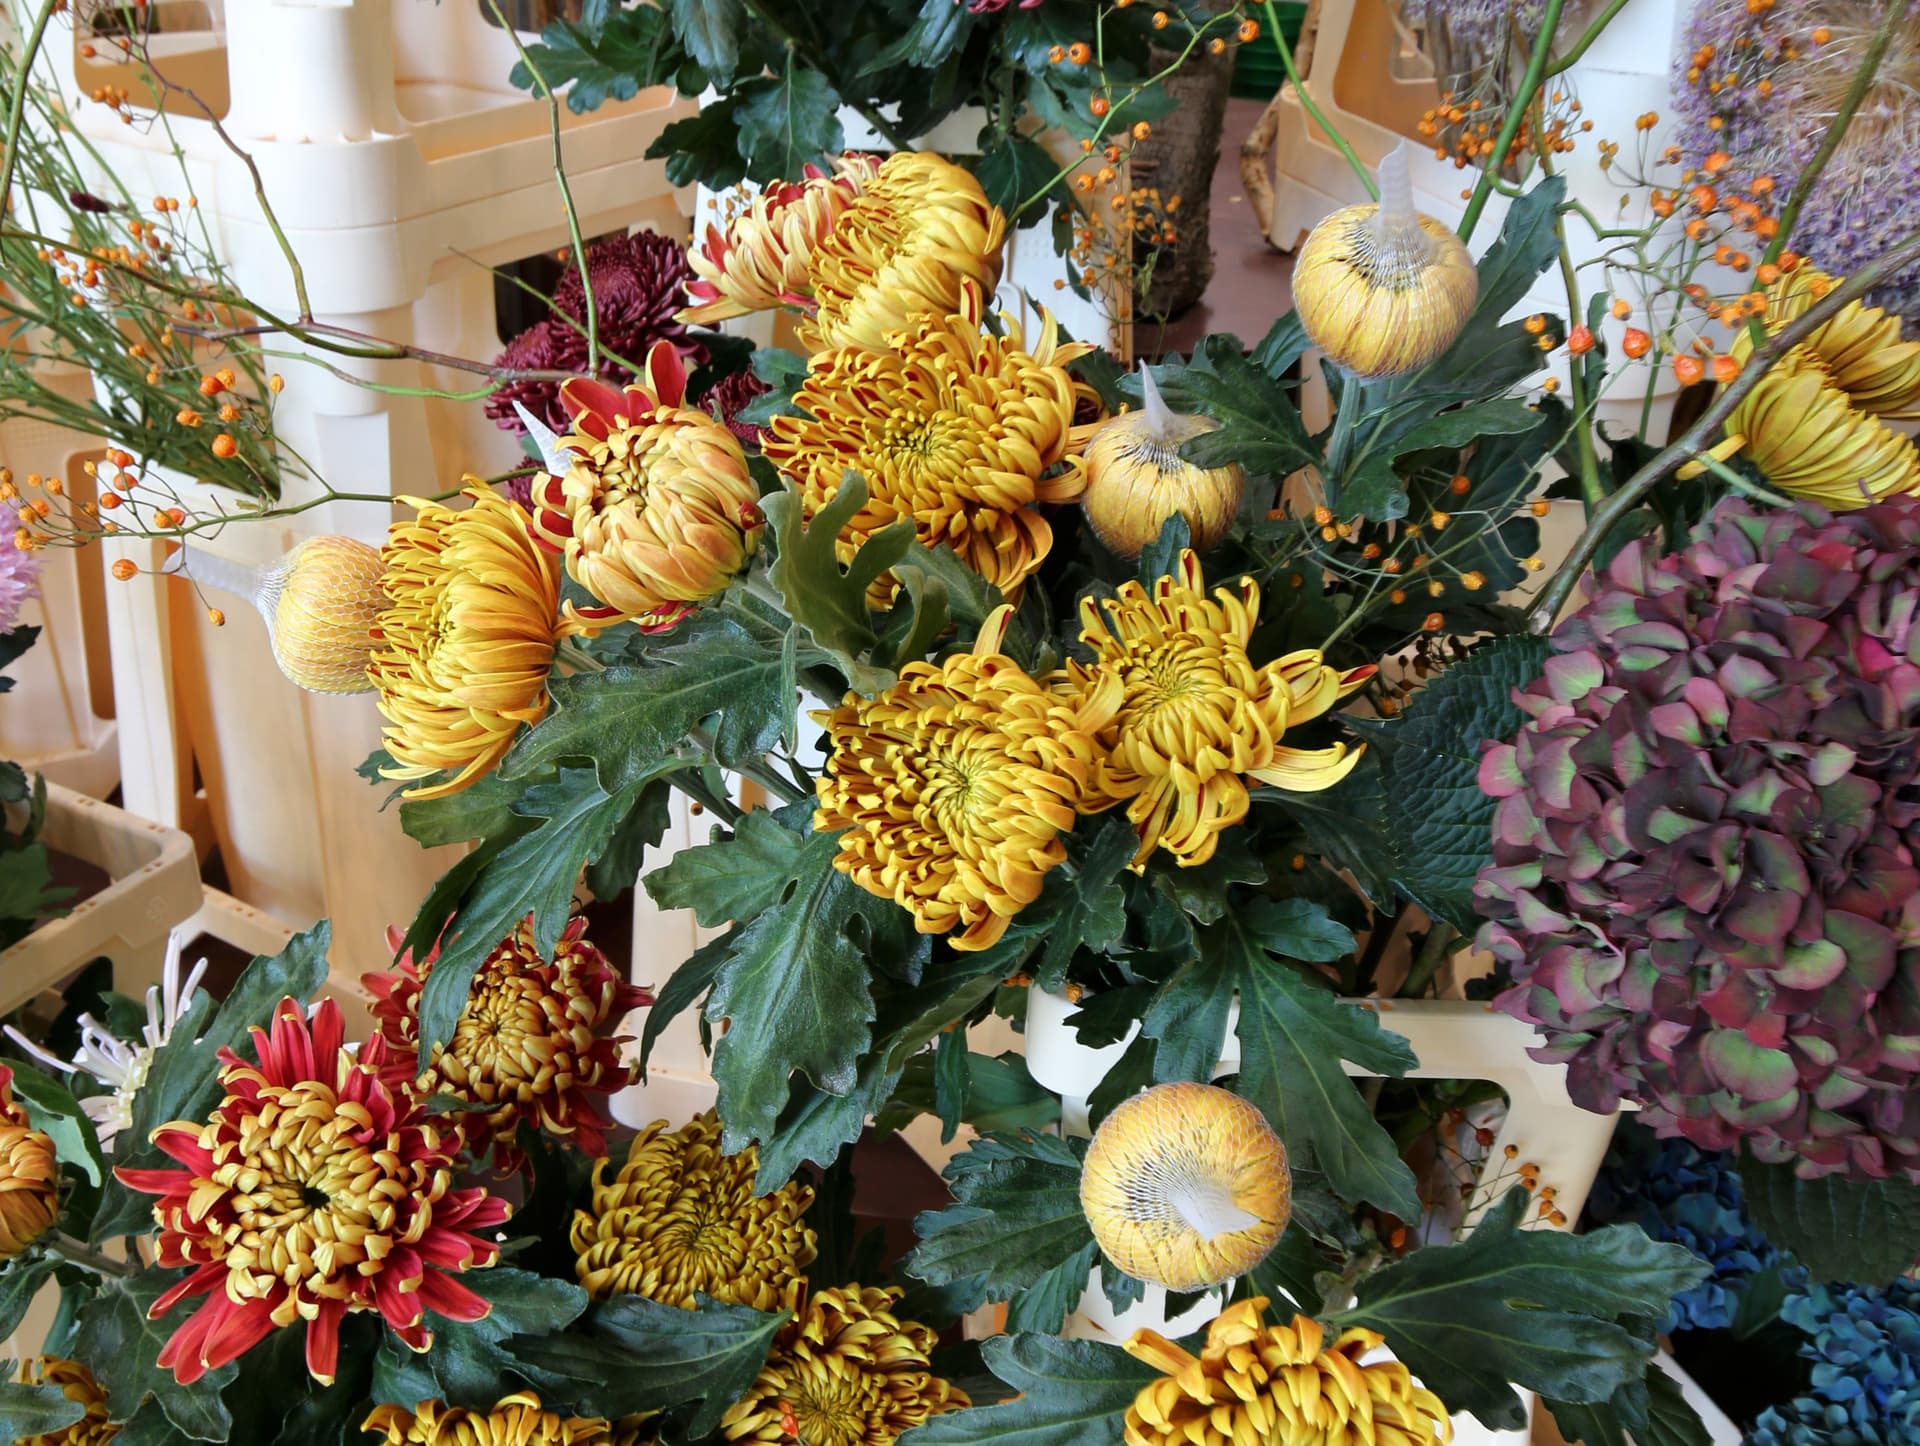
x=1433, y=953
x=75, y=1252
x=17, y=113
x=1694, y=440
x=1308, y=103
x=1530, y=83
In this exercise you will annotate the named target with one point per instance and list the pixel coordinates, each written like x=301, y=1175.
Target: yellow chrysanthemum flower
x=953, y=427
x=954, y=785
x=917, y=230
x=682, y=1217
x=657, y=511
x=516, y=1420
x=29, y=1176
x=764, y=257
x=1274, y=1384
x=1815, y=424
x=1197, y=717
x=77, y=1384
x=845, y=1371
x=462, y=651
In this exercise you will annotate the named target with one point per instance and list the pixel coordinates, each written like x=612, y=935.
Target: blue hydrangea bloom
x=1679, y=1193
x=1864, y=1343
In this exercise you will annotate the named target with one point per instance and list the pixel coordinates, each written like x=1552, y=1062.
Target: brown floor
x=1250, y=288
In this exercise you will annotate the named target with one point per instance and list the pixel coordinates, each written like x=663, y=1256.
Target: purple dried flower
x=1868, y=197
x=993, y=7
x=1704, y=880
x=638, y=282
x=19, y=571
x=727, y=396
x=1468, y=36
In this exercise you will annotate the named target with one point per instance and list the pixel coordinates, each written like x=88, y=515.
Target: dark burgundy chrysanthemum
x=638, y=282
x=727, y=396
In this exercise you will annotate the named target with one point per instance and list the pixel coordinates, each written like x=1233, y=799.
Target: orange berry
x=1439, y=521
x=1580, y=340
x=1717, y=162
x=187, y=417
x=109, y=500
x=1141, y=130
x=1432, y=623
x=211, y=386
x=216, y=617
x=1079, y=52
x=1535, y=324
x=123, y=568
x=1688, y=369
x=1621, y=310
x=1703, y=197
x=1216, y=46
x=1725, y=368
x=1767, y=274
x=225, y=446
x=1539, y=507
x=1099, y=105
x=1636, y=343
x=1160, y=20
x=1249, y=31
x=1550, y=385
x=1057, y=54
x=1460, y=485
x=1821, y=35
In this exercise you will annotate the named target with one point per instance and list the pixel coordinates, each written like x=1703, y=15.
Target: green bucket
x=1257, y=71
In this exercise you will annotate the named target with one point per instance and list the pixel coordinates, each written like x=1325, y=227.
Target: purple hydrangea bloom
x=19, y=571
x=1774, y=92
x=1705, y=884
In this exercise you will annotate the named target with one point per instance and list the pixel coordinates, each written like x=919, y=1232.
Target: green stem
x=17, y=111
x=1346, y=418
x=1433, y=953
x=1592, y=492
x=1522, y=102
x=1695, y=439
x=1308, y=103
x=1592, y=33
x=1837, y=130
x=75, y=1253
x=1740, y=484
x=566, y=191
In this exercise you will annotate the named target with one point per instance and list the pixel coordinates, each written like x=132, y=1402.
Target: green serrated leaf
x=795, y=990
x=1260, y=428
x=614, y=869
x=469, y=1360
x=1016, y=1215
x=733, y=878
x=595, y=63
x=28, y=1412
x=683, y=989
x=1071, y=1393
x=1293, y=1034
x=710, y=30
x=533, y=875
x=1536, y=1308
x=1091, y=912
x=938, y=31
x=114, y=1327
x=1866, y=1232
x=27, y=891
x=20, y=1281
x=1045, y=1304
x=641, y=1355
x=1013, y=167
x=830, y=601
x=626, y=721
x=180, y=1086
x=1437, y=829
x=703, y=148
x=1160, y=557
x=788, y=122
x=1284, y=344
x=52, y=1110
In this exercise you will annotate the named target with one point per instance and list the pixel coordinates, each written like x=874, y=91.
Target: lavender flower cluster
x=1755, y=83
x=1476, y=31
x=19, y=571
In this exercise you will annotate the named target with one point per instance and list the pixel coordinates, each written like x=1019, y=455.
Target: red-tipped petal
x=585, y=398
x=207, y=1278
x=323, y=1341
x=666, y=374
x=443, y=1295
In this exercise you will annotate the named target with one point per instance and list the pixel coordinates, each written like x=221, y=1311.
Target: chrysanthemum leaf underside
x=822, y=596
x=639, y=1355
x=113, y=1326
x=1866, y=1231
x=29, y=1411
x=1071, y=1392
x=1411, y=820
x=1534, y=1308
x=183, y=1085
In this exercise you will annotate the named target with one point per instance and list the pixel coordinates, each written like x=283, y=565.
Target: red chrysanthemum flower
x=315, y=1190
x=534, y=1040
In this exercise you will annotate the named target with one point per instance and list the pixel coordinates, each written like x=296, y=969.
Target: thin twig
x=1695, y=439
x=566, y=191
x=1530, y=83
x=17, y=111
x=85, y=1256
x=1312, y=108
